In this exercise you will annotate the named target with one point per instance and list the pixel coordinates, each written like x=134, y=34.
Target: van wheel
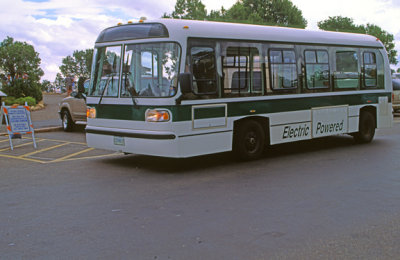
x=67, y=122
x=248, y=140
x=366, y=128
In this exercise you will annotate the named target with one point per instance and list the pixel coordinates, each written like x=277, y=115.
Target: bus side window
x=204, y=70
x=317, y=69
x=346, y=73
x=283, y=72
x=369, y=70
x=242, y=72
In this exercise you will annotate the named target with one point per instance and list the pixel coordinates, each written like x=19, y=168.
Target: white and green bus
x=180, y=88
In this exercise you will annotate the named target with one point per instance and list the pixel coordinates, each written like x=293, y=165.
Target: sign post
x=18, y=121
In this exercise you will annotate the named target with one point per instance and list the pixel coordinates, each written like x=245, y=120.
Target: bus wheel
x=67, y=122
x=248, y=140
x=366, y=128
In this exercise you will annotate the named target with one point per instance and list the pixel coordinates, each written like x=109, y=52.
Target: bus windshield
x=148, y=70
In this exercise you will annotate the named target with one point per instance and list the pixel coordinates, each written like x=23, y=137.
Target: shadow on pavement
x=172, y=165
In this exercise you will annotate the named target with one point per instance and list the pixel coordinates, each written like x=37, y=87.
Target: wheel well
x=370, y=109
x=263, y=121
x=62, y=111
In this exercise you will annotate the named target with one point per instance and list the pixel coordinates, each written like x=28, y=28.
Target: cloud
x=57, y=27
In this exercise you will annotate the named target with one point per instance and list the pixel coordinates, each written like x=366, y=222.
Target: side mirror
x=81, y=89
x=185, y=81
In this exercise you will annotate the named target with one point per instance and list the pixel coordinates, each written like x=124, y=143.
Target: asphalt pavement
x=326, y=198
x=48, y=118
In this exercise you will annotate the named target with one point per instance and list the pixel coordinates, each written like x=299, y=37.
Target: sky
x=58, y=27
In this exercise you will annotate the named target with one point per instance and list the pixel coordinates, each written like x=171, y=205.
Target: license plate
x=119, y=140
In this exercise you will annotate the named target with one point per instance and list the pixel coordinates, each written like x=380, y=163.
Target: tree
x=386, y=38
x=46, y=85
x=265, y=12
x=59, y=82
x=188, y=9
x=277, y=12
x=21, y=66
x=340, y=24
x=345, y=24
x=79, y=64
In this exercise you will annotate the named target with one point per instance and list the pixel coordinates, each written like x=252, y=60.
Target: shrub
x=9, y=101
x=23, y=88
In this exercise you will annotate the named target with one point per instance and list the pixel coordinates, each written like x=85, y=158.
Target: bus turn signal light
x=91, y=112
x=154, y=115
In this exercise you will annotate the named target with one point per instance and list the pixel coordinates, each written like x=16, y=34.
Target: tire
x=248, y=140
x=366, y=128
x=67, y=123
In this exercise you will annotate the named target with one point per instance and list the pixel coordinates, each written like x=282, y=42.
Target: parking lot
x=48, y=150
x=325, y=197
x=302, y=200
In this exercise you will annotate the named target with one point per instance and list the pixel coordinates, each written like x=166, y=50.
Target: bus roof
x=221, y=30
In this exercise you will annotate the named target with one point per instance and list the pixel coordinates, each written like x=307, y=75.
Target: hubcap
x=65, y=121
x=251, y=142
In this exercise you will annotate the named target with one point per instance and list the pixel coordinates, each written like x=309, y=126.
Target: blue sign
x=18, y=119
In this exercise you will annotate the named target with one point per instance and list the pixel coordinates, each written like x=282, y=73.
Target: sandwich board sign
x=18, y=121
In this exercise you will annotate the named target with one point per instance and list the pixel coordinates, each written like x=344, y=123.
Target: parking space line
x=92, y=157
x=60, y=141
x=20, y=145
x=42, y=150
x=21, y=158
x=72, y=155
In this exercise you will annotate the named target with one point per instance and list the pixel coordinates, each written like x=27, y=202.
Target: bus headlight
x=155, y=115
x=90, y=112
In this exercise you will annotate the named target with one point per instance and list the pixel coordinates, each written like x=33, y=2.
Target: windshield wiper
x=133, y=93
x=102, y=93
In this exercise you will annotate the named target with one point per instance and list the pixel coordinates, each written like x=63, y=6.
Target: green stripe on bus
x=240, y=107
x=208, y=112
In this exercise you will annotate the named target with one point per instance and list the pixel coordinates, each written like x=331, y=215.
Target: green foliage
x=24, y=88
x=340, y=24
x=345, y=24
x=21, y=63
x=9, y=101
x=79, y=64
x=45, y=85
x=386, y=38
x=188, y=9
x=278, y=12
x=59, y=81
x=264, y=12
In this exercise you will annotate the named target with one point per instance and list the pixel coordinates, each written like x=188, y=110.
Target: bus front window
x=107, y=67
x=150, y=70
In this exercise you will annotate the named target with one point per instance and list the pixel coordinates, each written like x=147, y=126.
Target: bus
x=186, y=88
